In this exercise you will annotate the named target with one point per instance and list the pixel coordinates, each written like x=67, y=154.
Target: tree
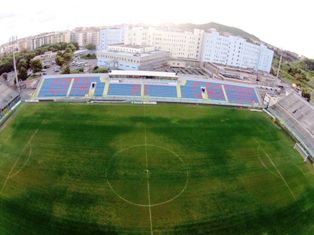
x=59, y=60
x=306, y=94
x=22, y=73
x=22, y=67
x=6, y=64
x=22, y=64
x=36, y=66
x=76, y=45
x=66, y=70
x=72, y=47
x=67, y=57
x=300, y=76
x=100, y=70
x=89, y=56
x=309, y=64
x=68, y=50
x=79, y=70
x=90, y=46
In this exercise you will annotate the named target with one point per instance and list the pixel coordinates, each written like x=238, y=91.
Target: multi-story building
x=196, y=46
x=265, y=59
x=110, y=35
x=131, y=57
x=85, y=36
x=24, y=44
x=49, y=38
x=235, y=51
x=180, y=44
x=7, y=48
x=33, y=42
x=138, y=36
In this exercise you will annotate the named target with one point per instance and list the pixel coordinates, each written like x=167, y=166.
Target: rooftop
x=138, y=55
x=130, y=45
x=143, y=73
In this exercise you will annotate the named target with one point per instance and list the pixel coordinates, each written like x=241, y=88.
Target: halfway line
x=147, y=174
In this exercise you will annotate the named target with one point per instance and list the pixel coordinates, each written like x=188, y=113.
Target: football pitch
x=150, y=169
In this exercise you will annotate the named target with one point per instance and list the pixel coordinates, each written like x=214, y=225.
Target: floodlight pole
x=13, y=40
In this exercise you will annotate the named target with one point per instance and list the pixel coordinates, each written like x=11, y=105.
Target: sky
x=287, y=24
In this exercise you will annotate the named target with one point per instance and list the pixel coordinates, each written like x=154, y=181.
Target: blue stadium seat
x=160, y=91
x=193, y=90
x=214, y=91
x=241, y=94
x=81, y=85
x=54, y=87
x=118, y=89
x=59, y=87
x=99, y=89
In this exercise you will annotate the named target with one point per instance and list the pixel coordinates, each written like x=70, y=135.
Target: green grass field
x=135, y=169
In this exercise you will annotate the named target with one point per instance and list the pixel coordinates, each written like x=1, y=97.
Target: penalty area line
x=16, y=161
x=281, y=176
x=276, y=168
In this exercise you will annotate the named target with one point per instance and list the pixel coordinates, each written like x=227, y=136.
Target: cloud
x=4, y=16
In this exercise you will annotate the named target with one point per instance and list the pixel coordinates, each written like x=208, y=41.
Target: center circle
x=147, y=175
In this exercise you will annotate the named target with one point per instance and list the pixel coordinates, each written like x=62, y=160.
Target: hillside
x=221, y=28
x=299, y=72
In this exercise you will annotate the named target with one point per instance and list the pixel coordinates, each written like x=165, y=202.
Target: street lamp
x=13, y=41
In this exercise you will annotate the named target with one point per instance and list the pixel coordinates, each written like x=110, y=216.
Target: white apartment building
x=138, y=36
x=131, y=57
x=179, y=44
x=265, y=59
x=85, y=36
x=49, y=38
x=33, y=42
x=235, y=51
x=109, y=36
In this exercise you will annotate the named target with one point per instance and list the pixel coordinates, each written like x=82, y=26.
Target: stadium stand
x=55, y=87
x=99, y=89
x=122, y=89
x=185, y=90
x=160, y=91
x=241, y=94
x=82, y=86
x=214, y=91
x=193, y=90
x=8, y=98
x=297, y=116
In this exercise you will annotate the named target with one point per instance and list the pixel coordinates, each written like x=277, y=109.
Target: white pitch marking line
x=25, y=163
x=274, y=165
x=148, y=187
x=159, y=203
x=283, y=179
x=16, y=161
x=266, y=167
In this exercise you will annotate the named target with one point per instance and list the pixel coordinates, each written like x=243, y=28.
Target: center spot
x=126, y=179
